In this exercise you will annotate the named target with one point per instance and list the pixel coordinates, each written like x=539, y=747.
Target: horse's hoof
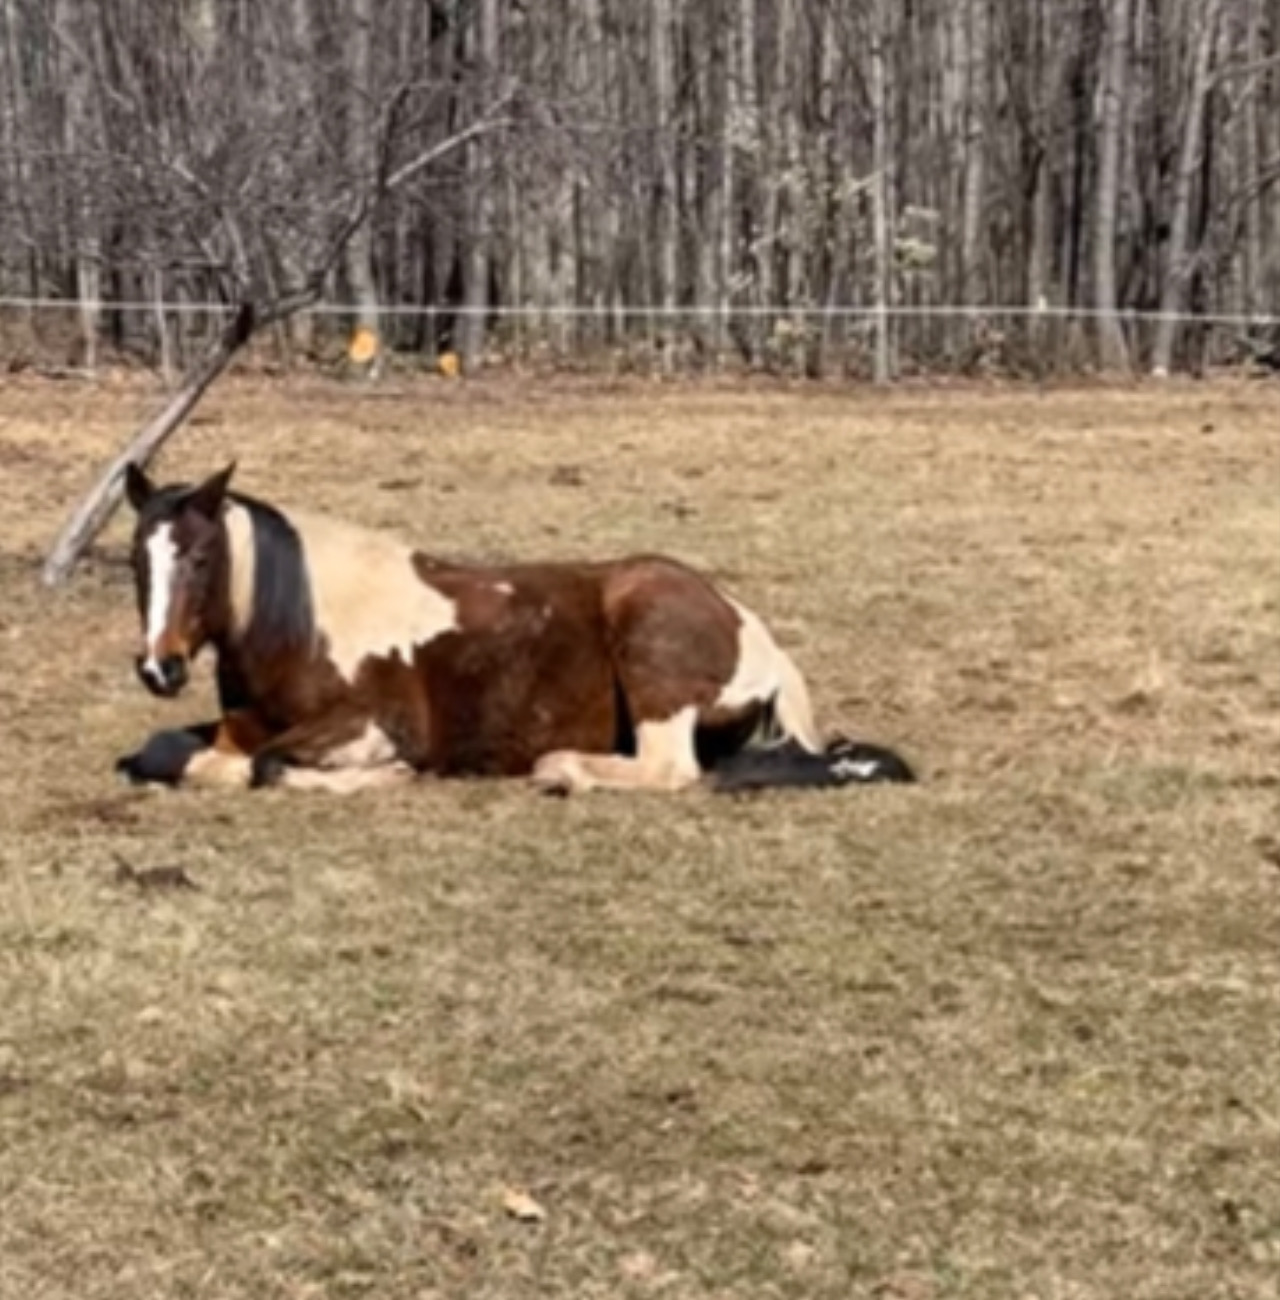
x=556, y=774
x=856, y=761
x=162, y=760
x=556, y=785
x=267, y=769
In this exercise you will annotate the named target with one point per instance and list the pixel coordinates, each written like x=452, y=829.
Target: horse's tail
x=798, y=756
x=792, y=708
x=841, y=762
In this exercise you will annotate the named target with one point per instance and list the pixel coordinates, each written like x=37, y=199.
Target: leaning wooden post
x=91, y=516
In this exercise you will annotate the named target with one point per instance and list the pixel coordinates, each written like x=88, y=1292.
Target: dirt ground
x=1012, y=1033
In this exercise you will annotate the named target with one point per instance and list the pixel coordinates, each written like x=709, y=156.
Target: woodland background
x=814, y=186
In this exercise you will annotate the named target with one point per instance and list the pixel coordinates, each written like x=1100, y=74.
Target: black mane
x=283, y=616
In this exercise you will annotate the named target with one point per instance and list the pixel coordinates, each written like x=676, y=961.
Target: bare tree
x=1112, y=349
x=481, y=44
x=241, y=207
x=359, y=144
x=793, y=157
x=1179, y=264
x=881, y=192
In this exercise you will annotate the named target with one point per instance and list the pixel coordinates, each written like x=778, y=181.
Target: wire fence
x=813, y=339
x=898, y=311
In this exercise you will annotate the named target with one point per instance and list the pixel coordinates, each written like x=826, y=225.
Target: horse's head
x=180, y=573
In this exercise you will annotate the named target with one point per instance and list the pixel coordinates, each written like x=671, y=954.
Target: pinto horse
x=346, y=659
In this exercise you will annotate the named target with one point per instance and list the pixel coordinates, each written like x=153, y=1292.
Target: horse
x=348, y=659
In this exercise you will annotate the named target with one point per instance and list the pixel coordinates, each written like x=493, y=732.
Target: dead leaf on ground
x=521, y=1206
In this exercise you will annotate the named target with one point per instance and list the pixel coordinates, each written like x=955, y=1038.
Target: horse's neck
x=241, y=565
x=343, y=591
x=267, y=612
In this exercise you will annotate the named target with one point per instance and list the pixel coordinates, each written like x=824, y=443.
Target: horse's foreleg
x=165, y=756
x=210, y=753
x=340, y=750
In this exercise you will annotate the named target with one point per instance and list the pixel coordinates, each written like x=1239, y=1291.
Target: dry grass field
x=1012, y=1033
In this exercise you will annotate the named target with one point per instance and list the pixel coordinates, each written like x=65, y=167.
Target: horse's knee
x=163, y=760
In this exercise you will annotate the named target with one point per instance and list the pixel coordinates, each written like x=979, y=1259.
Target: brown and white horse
x=347, y=659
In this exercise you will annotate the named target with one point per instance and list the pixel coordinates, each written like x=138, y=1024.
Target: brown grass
x=1013, y=1033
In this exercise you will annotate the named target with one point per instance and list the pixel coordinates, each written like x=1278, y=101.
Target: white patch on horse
x=347, y=780
x=858, y=769
x=212, y=767
x=504, y=588
x=162, y=565
x=756, y=676
x=240, y=546
x=666, y=759
x=766, y=672
x=372, y=748
x=368, y=598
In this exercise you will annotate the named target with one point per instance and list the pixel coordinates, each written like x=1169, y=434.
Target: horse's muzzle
x=164, y=677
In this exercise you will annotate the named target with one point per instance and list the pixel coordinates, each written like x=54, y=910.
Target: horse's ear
x=137, y=486
x=207, y=499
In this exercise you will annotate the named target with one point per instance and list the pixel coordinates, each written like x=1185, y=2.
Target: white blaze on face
x=162, y=567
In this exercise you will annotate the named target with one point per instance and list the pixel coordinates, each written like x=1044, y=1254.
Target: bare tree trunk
x=832, y=236
x=730, y=129
x=1112, y=350
x=666, y=231
x=973, y=232
x=358, y=258
x=880, y=194
x=772, y=168
x=748, y=131
x=299, y=331
x=79, y=136
x=1249, y=178
x=482, y=40
x=787, y=178
x=1269, y=198
x=160, y=323
x=18, y=130
x=1178, y=267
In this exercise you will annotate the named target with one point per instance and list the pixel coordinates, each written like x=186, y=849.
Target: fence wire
x=899, y=311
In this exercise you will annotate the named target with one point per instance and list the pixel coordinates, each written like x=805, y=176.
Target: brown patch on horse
x=673, y=638
x=240, y=731
x=527, y=670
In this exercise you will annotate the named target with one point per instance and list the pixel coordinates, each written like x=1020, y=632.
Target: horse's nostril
x=165, y=676
x=173, y=668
